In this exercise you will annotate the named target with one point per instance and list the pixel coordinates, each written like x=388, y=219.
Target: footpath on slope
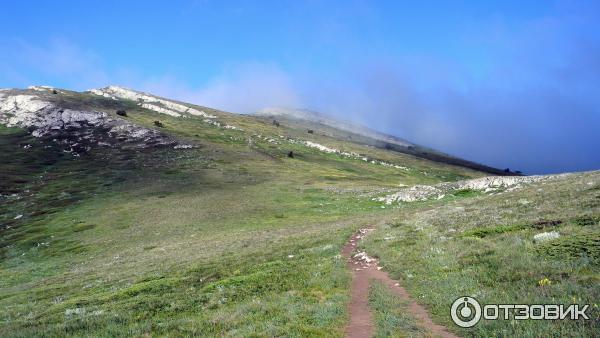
x=364, y=270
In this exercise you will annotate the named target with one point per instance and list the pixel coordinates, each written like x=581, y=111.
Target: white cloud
x=248, y=88
x=243, y=88
x=59, y=60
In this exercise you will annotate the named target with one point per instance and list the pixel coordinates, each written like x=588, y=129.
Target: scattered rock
x=485, y=184
x=183, y=146
x=362, y=256
x=75, y=311
x=546, y=236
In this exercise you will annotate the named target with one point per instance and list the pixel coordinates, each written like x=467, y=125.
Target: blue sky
x=507, y=83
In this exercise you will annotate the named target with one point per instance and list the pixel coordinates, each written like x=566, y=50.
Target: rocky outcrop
x=80, y=130
x=484, y=184
x=150, y=102
x=42, y=88
x=160, y=109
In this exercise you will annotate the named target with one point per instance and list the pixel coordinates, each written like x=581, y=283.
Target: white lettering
x=521, y=312
x=536, y=308
x=505, y=308
x=551, y=311
x=486, y=314
x=564, y=313
x=581, y=312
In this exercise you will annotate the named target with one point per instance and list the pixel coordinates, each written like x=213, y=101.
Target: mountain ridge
x=386, y=141
x=241, y=221
x=303, y=119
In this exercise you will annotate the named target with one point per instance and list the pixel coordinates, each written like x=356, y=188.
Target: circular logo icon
x=466, y=312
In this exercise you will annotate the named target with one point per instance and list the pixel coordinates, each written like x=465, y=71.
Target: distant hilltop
x=324, y=119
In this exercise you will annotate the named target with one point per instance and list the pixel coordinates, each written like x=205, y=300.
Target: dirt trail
x=364, y=269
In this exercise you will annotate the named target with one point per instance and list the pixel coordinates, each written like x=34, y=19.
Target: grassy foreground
x=177, y=251
x=235, y=238
x=482, y=246
x=392, y=317
x=230, y=238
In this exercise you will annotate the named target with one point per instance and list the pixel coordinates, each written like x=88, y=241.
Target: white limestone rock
x=546, y=236
x=45, y=118
x=150, y=102
x=101, y=93
x=320, y=147
x=160, y=109
x=485, y=184
x=41, y=88
x=183, y=146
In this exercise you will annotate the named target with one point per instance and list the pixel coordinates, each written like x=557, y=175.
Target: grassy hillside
x=232, y=237
x=378, y=140
x=483, y=245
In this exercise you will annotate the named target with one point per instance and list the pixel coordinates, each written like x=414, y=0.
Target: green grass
x=465, y=193
x=230, y=238
x=391, y=313
x=579, y=246
x=483, y=247
x=170, y=253
x=233, y=238
x=493, y=230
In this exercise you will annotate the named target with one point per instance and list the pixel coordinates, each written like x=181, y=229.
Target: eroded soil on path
x=364, y=270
